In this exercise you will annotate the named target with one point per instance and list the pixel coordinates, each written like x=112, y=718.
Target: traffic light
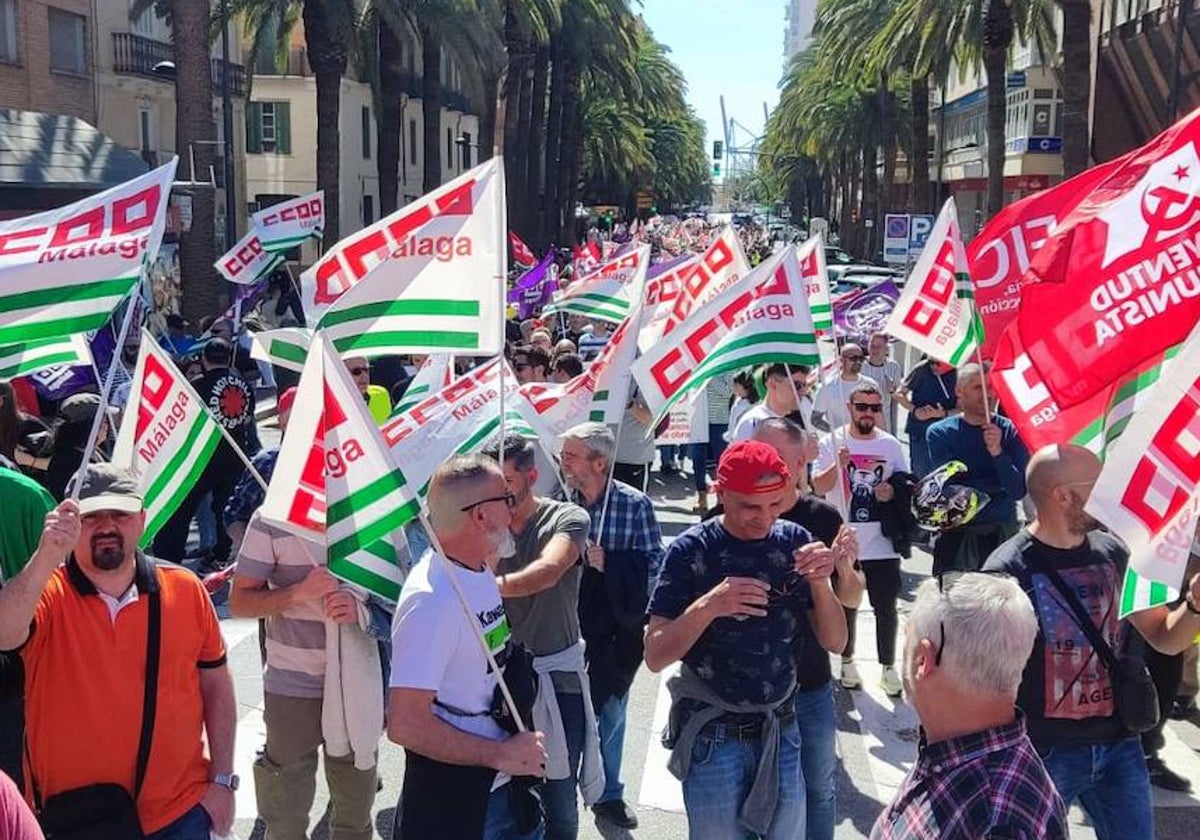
x=716, y=169
x=718, y=150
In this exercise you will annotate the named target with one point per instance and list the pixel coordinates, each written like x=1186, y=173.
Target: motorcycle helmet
x=940, y=505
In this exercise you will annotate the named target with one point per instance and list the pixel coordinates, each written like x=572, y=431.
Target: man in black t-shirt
x=231, y=401
x=815, y=714
x=1067, y=692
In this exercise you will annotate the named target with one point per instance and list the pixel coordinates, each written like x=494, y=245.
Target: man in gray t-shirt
x=540, y=587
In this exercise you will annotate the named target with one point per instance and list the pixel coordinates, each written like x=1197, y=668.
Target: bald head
x=1059, y=465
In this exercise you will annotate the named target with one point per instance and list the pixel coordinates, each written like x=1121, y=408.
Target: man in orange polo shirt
x=79, y=615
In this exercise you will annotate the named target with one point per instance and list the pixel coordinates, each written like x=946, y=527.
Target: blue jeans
x=206, y=523
x=818, y=757
x=610, y=720
x=194, y=825
x=702, y=453
x=1111, y=783
x=720, y=776
x=558, y=795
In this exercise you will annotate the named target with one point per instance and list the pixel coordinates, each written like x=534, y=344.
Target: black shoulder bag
x=107, y=810
x=1133, y=689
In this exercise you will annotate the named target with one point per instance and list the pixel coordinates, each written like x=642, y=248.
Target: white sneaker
x=850, y=677
x=890, y=682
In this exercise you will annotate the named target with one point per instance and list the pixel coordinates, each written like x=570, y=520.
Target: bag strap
x=1081, y=616
x=150, y=698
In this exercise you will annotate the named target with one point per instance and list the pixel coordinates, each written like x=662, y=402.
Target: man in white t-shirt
x=780, y=400
x=829, y=408
x=854, y=466
x=441, y=683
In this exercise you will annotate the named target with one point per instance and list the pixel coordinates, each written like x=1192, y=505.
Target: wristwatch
x=229, y=780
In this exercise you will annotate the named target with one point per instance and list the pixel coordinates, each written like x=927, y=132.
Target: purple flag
x=859, y=314
x=666, y=265
x=534, y=288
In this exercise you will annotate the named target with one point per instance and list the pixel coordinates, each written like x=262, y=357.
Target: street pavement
x=877, y=736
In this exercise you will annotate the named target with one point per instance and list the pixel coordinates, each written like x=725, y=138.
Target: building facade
x=797, y=35
x=47, y=57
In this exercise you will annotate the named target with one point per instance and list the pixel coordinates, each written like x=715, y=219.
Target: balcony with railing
x=137, y=55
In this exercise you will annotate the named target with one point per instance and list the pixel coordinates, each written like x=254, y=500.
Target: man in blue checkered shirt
x=622, y=561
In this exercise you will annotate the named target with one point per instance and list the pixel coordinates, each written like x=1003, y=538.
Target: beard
x=110, y=555
x=865, y=425
x=503, y=543
x=1078, y=520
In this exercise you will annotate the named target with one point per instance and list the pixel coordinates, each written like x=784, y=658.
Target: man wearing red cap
x=736, y=596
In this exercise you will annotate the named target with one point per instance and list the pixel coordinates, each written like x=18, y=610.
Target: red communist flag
x=1119, y=282
x=522, y=255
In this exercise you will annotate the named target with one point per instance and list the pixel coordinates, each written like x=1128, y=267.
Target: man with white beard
x=442, y=687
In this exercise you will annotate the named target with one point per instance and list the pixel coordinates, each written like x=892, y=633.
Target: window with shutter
x=254, y=128
x=283, y=128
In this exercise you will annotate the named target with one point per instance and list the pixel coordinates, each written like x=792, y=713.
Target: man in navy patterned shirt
x=977, y=775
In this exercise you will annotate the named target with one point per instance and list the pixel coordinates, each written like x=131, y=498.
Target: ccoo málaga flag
x=935, y=312
x=722, y=264
x=167, y=435
x=606, y=292
x=811, y=260
x=64, y=271
x=335, y=482
x=20, y=359
x=248, y=261
x=285, y=225
x=763, y=318
x=286, y=347
x=438, y=287
x=434, y=374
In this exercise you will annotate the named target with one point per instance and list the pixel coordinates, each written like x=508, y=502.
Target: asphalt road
x=876, y=737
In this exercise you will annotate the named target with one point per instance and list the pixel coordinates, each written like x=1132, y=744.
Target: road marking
x=660, y=789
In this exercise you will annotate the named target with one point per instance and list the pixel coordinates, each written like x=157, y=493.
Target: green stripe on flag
x=289, y=242
x=66, y=294
x=380, y=528
x=54, y=328
x=385, y=308
x=820, y=308
x=441, y=339
x=287, y=351
x=38, y=363
x=363, y=498
x=1139, y=593
x=349, y=571
x=170, y=472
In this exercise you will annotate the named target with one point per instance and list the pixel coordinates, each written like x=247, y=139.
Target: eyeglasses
x=875, y=407
x=508, y=499
x=359, y=371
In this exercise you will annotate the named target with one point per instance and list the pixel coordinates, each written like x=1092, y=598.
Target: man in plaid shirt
x=622, y=561
x=977, y=775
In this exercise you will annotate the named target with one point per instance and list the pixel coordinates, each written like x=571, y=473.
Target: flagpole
x=106, y=390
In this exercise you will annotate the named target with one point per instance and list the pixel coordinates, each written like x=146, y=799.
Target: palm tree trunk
x=918, y=164
x=327, y=56
x=870, y=202
x=887, y=147
x=487, y=123
x=552, y=217
x=514, y=47
x=535, y=131
x=1077, y=59
x=388, y=125
x=195, y=134
x=570, y=153
x=431, y=106
x=997, y=38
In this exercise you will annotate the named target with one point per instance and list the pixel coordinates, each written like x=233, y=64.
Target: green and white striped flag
x=761, y=319
x=64, y=271
x=286, y=347
x=811, y=256
x=336, y=482
x=434, y=374
x=936, y=310
x=1139, y=593
x=248, y=261
x=285, y=225
x=609, y=292
x=429, y=278
x=167, y=436
x=20, y=359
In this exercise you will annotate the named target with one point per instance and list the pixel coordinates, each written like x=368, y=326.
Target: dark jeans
x=219, y=478
x=883, y=587
x=703, y=454
x=1167, y=673
x=1110, y=783
x=12, y=731
x=439, y=800
x=558, y=795
x=632, y=474
x=194, y=825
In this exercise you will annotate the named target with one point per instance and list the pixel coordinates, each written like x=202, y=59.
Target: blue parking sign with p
x=918, y=233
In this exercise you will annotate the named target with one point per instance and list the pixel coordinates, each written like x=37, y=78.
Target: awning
x=54, y=151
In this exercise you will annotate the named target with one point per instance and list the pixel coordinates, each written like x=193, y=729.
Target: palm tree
x=1076, y=83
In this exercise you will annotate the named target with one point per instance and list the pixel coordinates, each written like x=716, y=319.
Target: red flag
x=520, y=251
x=1120, y=279
x=1000, y=253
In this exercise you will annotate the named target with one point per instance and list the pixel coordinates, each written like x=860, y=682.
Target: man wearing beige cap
x=126, y=658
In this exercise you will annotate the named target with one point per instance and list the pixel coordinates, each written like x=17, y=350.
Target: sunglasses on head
x=508, y=499
x=946, y=582
x=875, y=407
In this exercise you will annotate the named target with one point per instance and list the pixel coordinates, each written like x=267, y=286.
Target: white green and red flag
x=664, y=283
x=336, y=483
x=764, y=318
x=811, y=258
x=286, y=347
x=608, y=292
x=434, y=374
x=248, y=261
x=1119, y=280
x=65, y=271
x=1148, y=492
x=285, y=225
x=935, y=313
x=585, y=259
x=22, y=359
x=722, y=265
x=430, y=278
x=166, y=437
x=521, y=253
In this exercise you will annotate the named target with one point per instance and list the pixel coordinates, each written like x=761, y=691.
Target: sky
x=730, y=47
